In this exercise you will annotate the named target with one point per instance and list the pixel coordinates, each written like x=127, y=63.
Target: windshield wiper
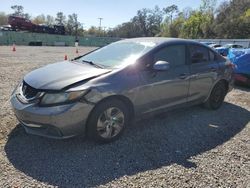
x=94, y=64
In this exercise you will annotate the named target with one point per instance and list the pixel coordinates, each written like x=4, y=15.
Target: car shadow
x=242, y=87
x=174, y=137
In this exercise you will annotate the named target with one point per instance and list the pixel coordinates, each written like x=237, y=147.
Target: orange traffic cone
x=65, y=57
x=14, y=48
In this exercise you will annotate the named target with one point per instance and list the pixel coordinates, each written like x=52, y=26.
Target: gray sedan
x=100, y=92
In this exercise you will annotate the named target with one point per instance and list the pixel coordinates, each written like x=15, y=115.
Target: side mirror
x=161, y=66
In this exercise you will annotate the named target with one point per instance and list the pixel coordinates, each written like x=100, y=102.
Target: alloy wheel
x=110, y=122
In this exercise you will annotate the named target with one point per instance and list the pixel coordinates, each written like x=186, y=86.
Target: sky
x=113, y=12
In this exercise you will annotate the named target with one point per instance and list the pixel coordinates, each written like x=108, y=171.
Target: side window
x=175, y=55
x=198, y=54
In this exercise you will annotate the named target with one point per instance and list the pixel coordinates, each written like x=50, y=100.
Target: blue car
x=241, y=59
x=225, y=49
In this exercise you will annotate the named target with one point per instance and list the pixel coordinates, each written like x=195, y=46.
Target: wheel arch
x=224, y=81
x=121, y=98
x=124, y=99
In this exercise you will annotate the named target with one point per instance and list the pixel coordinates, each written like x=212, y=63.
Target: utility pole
x=76, y=32
x=100, y=23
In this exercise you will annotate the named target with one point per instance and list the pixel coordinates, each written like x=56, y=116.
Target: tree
x=148, y=21
x=3, y=18
x=60, y=18
x=199, y=23
x=18, y=10
x=171, y=26
x=192, y=27
x=27, y=16
x=49, y=20
x=245, y=23
x=208, y=6
x=186, y=12
x=40, y=19
x=232, y=20
x=170, y=11
x=175, y=29
x=73, y=25
x=93, y=31
x=125, y=30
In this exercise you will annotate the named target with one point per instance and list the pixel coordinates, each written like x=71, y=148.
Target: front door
x=166, y=88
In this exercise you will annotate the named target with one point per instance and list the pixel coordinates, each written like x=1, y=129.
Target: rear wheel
x=216, y=97
x=108, y=120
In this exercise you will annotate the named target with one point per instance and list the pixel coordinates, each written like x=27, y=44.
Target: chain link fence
x=23, y=38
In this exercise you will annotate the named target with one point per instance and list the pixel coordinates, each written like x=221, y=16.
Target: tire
x=216, y=97
x=107, y=121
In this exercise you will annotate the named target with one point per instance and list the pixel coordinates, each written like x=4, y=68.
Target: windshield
x=118, y=54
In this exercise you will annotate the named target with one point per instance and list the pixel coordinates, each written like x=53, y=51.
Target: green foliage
x=233, y=20
x=146, y=23
x=126, y=30
x=230, y=20
x=192, y=27
x=173, y=29
x=198, y=25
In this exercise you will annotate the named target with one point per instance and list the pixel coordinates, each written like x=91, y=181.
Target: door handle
x=183, y=76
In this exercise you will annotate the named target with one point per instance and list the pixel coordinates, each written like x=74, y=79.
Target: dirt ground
x=191, y=147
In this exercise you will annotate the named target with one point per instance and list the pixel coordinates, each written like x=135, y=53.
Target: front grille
x=28, y=91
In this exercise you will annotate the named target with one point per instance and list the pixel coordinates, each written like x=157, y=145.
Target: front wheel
x=108, y=120
x=216, y=97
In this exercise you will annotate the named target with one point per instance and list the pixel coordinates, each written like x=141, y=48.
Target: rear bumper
x=59, y=122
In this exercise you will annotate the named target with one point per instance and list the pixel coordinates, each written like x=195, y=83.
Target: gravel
x=190, y=147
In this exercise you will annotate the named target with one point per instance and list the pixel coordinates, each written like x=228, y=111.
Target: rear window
x=198, y=54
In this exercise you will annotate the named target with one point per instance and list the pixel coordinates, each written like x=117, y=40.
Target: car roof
x=159, y=40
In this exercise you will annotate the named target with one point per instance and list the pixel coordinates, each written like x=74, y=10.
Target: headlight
x=63, y=97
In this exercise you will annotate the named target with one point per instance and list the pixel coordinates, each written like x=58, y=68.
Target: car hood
x=60, y=75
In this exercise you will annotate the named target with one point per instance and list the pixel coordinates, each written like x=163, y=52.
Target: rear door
x=204, y=71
